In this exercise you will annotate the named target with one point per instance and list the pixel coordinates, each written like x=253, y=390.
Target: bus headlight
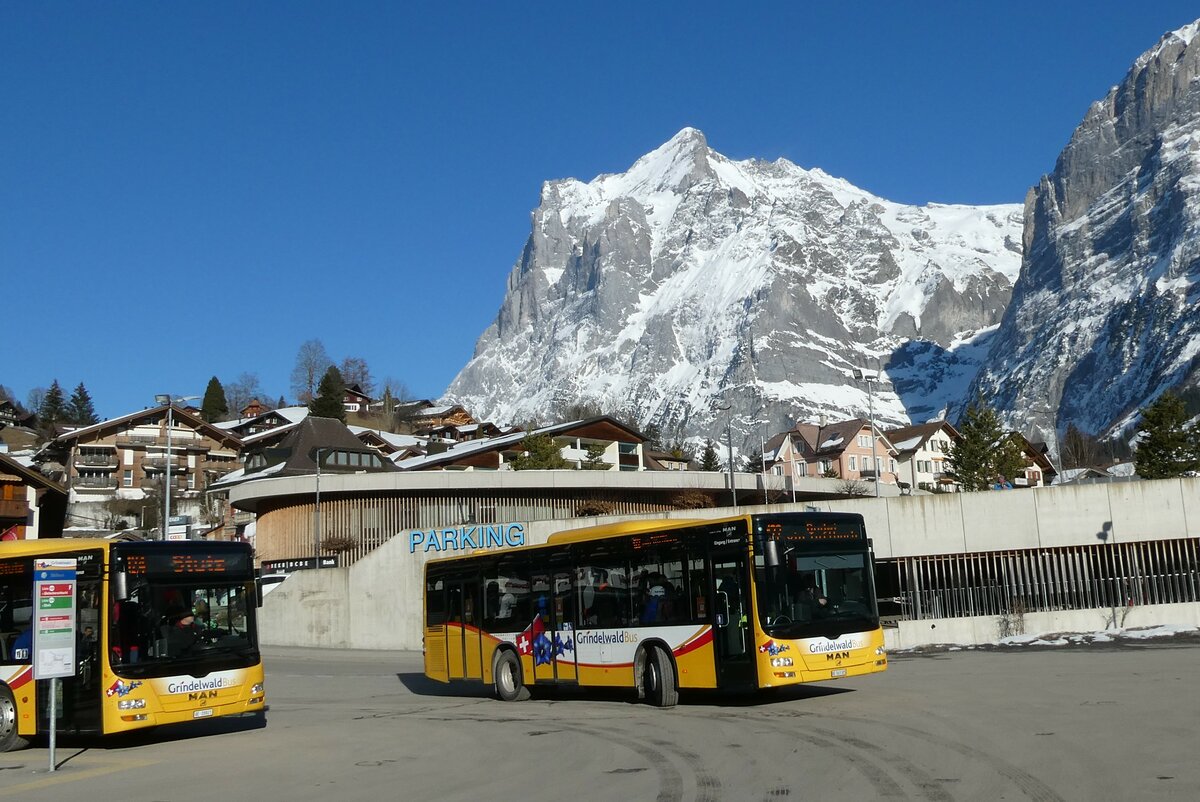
x=879, y=651
x=131, y=704
x=780, y=662
x=256, y=689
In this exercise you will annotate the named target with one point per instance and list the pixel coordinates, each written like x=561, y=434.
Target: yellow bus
x=738, y=603
x=165, y=633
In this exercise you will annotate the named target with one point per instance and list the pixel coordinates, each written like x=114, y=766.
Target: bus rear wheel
x=509, y=685
x=659, y=678
x=9, y=740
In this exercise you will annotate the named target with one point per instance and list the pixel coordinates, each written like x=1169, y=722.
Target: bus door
x=731, y=619
x=463, y=611
x=552, y=627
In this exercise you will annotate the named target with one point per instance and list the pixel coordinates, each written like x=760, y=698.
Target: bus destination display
x=816, y=530
x=177, y=564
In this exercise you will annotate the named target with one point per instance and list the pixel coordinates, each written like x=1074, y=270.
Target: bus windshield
x=815, y=594
x=168, y=627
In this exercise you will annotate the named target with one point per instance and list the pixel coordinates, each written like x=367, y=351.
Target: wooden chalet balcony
x=97, y=461
x=94, y=485
x=160, y=464
x=137, y=440
x=14, y=509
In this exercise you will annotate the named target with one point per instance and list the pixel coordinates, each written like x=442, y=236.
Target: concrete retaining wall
x=375, y=604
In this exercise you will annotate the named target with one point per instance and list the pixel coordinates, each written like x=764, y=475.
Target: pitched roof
x=909, y=438
x=153, y=414
x=469, y=448
x=29, y=475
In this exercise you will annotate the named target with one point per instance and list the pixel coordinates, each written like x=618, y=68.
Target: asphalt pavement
x=1051, y=724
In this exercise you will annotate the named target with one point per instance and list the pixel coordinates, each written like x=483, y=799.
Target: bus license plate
x=206, y=712
x=837, y=672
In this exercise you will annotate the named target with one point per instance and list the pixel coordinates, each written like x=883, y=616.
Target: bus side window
x=435, y=603
x=16, y=614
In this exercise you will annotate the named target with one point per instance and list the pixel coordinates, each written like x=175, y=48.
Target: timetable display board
x=54, y=614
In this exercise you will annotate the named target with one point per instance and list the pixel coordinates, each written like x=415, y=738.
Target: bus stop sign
x=54, y=618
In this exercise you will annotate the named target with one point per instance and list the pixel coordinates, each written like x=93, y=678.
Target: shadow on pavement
x=420, y=685
x=153, y=735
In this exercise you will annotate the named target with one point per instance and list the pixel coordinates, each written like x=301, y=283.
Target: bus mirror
x=771, y=553
x=120, y=591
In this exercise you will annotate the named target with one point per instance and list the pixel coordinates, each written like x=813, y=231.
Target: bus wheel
x=509, y=687
x=9, y=740
x=659, y=679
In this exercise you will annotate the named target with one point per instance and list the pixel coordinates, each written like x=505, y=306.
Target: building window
x=853, y=463
x=127, y=479
x=864, y=441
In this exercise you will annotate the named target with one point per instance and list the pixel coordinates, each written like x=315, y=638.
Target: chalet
x=355, y=401
x=424, y=414
x=267, y=421
x=126, y=457
x=921, y=454
x=31, y=505
x=1039, y=469
x=253, y=409
x=843, y=450
x=10, y=415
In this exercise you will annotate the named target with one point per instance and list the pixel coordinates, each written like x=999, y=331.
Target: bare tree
x=311, y=363
x=853, y=487
x=355, y=371
x=240, y=392
x=35, y=397
x=397, y=389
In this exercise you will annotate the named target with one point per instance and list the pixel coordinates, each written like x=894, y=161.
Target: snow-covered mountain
x=692, y=281
x=1104, y=316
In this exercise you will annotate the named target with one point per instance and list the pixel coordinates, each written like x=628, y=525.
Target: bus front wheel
x=9, y=740
x=509, y=685
x=659, y=678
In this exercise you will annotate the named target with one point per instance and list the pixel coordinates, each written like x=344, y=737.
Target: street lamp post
x=317, y=510
x=725, y=406
x=870, y=377
x=165, y=398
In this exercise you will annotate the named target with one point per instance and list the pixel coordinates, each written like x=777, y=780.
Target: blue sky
x=195, y=189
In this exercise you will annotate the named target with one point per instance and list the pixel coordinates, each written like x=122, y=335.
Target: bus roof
x=32, y=548
x=625, y=528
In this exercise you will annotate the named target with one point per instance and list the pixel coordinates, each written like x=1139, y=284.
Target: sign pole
x=53, y=718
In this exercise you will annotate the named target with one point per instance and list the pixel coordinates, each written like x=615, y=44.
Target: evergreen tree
x=540, y=453
x=329, y=401
x=983, y=452
x=80, y=409
x=709, y=461
x=53, y=409
x=1166, y=448
x=281, y=403
x=214, y=408
x=654, y=436
x=594, y=461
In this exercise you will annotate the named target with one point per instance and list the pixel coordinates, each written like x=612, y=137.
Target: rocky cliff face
x=1104, y=315
x=691, y=281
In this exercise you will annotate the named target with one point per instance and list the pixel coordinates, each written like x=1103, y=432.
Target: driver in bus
x=182, y=631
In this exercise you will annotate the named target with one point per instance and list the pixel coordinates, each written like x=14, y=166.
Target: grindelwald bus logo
x=467, y=537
